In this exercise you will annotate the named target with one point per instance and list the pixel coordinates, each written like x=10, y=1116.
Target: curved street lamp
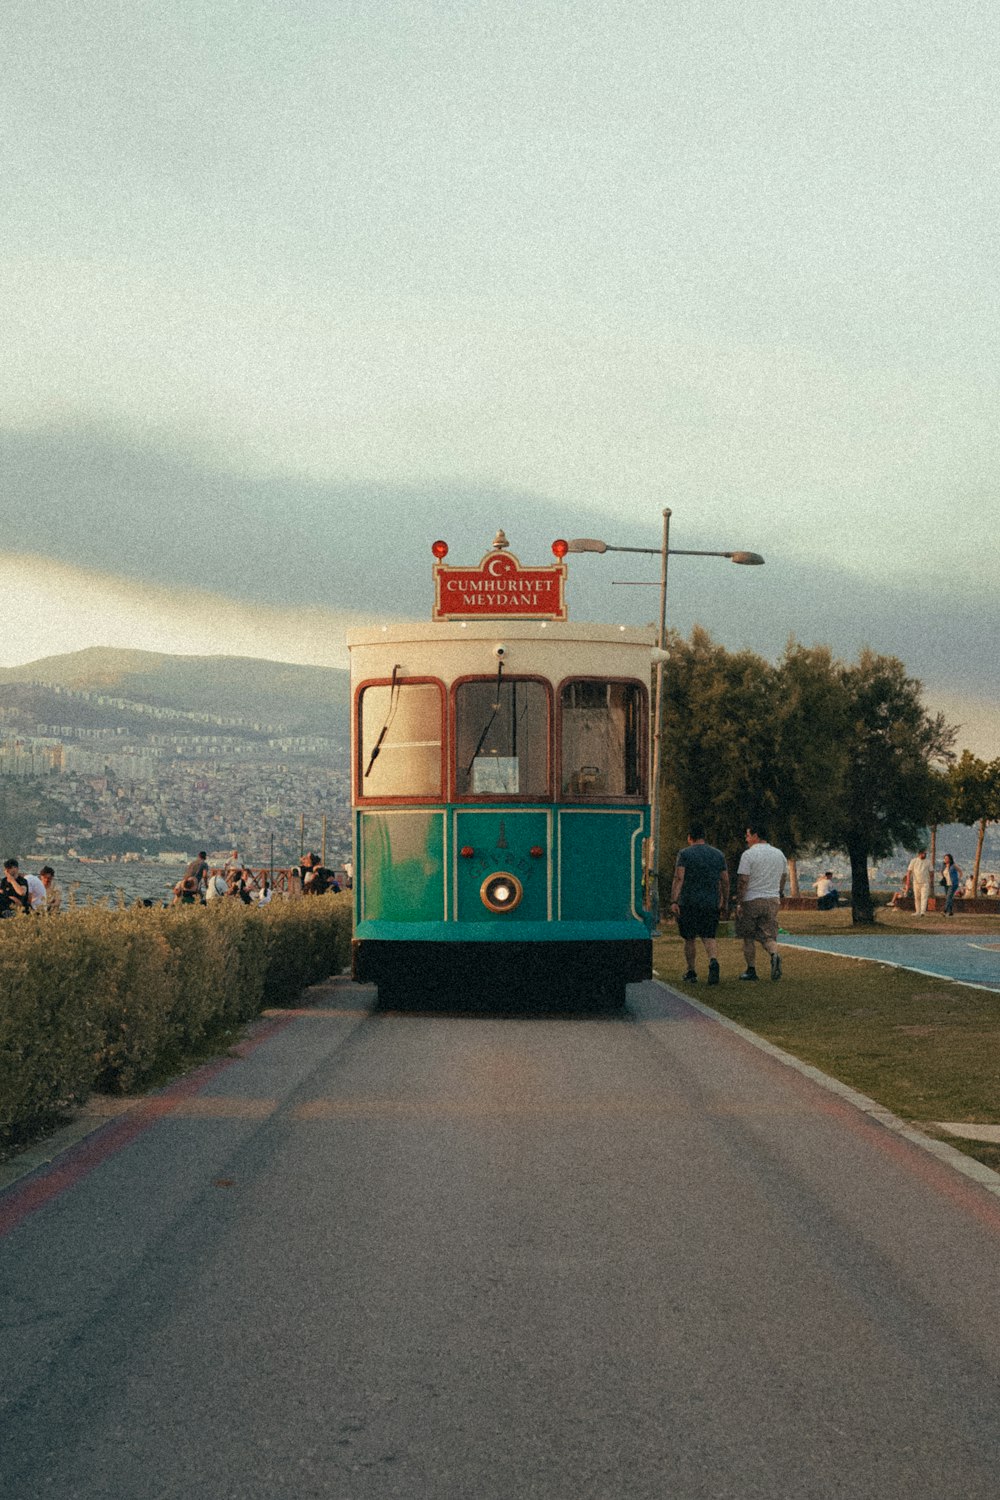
x=664, y=552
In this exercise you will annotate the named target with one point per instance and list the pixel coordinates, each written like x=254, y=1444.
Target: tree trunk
x=979, y=855
x=793, y=877
x=932, y=854
x=862, y=909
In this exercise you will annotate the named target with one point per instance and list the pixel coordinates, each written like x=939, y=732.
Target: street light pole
x=652, y=872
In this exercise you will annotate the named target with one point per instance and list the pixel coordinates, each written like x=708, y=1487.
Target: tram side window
x=400, y=737
x=601, y=739
x=502, y=738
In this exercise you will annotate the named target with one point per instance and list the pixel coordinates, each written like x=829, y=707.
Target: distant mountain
x=310, y=700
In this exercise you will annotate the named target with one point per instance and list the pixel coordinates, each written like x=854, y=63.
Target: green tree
x=827, y=755
x=975, y=798
x=718, y=760
x=745, y=739
x=893, y=750
x=810, y=725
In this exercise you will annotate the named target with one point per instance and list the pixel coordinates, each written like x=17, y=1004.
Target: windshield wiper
x=393, y=705
x=489, y=722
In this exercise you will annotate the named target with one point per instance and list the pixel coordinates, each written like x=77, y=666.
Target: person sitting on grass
x=827, y=895
x=53, y=894
x=186, y=892
x=216, y=888
x=15, y=898
x=239, y=885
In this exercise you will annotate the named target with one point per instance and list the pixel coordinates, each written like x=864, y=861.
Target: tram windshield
x=601, y=739
x=400, y=739
x=502, y=738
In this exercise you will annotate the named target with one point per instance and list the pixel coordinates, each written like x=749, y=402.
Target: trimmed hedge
x=104, y=998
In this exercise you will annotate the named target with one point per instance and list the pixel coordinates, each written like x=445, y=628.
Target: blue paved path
x=967, y=957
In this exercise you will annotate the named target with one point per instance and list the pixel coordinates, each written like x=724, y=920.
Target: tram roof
x=498, y=628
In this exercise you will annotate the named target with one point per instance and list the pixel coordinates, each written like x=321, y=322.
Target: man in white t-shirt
x=760, y=885
x=918, y=880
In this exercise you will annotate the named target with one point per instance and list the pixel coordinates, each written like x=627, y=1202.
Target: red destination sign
x=498, y=586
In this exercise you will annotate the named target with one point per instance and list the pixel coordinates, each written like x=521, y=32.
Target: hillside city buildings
x=117, y=776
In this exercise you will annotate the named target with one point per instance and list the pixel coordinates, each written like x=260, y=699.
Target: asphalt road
x=451, y=1257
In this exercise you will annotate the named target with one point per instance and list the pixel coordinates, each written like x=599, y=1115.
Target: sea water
x=85, y=883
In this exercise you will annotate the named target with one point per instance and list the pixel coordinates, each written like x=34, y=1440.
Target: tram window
x=400, y=739
x=502, y=738
x=601, y=739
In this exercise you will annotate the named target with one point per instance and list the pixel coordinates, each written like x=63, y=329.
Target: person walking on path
x=698, y=897
x=918, y=880
x=760, y=885
x=951, y=875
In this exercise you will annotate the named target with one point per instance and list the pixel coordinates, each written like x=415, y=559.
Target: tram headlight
x=501, y=891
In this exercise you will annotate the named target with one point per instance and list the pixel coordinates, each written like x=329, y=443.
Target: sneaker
x=775, y=965
x=750, y=974
x=713, y=971
x=690, y=977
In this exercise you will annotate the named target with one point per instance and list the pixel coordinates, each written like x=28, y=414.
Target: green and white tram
x=501, y=795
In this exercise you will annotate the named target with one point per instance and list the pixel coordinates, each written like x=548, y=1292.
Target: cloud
x=91, y=498
x=132, y=543
x=58, y=608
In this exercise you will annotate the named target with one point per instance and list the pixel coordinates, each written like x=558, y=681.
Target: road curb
x=967, y=1165
x=44, y=1152
x=89, y=1120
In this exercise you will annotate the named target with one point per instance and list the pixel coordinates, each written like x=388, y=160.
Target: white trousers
x=921, y=895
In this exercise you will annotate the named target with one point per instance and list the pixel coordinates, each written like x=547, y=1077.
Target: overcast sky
x=289, y=289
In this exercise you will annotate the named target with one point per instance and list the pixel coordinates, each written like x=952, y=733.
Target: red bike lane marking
x=26, y=1198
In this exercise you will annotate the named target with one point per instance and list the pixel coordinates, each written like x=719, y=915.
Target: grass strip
x=927, y=1049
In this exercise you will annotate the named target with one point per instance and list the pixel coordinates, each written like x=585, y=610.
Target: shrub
x=306, y=941
x=131, y=996
x=100, y=997
x=49, y=1035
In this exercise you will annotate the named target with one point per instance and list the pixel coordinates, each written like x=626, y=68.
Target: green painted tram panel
x=600, y=864
x=501, y=839
x=402, y=864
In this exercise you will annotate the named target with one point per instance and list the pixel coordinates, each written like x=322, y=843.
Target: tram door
x=502, y=848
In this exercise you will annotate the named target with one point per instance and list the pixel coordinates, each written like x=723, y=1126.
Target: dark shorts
x=698, y=921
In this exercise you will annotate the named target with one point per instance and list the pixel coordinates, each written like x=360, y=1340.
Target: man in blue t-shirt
x=698, y=897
